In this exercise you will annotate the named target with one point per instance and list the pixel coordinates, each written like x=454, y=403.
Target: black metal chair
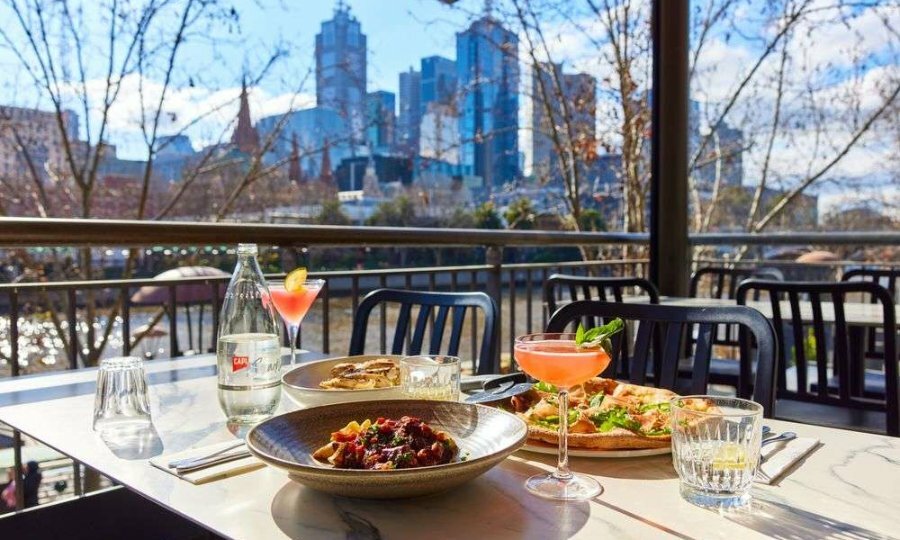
x=723, y=283
x=887, y=278
x=593, y=288
x=672, y=322
x=434, y=309
x=603, y=289
x=806, y=399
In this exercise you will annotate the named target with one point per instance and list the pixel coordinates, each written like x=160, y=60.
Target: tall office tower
x=380, y=121
x=410, y=111
x=32, y=136
x=439, y=134
x=488, y=72
x=722, y=159
x=341, y=70
x=438, y=82
x=573, y=118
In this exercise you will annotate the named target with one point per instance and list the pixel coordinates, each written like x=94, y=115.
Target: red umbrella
x=190, y=293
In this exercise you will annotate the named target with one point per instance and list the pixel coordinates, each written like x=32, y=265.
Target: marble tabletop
x=848, y=488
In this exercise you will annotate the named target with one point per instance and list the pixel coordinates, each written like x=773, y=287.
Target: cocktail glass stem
x=562, y=465
x=292, y=332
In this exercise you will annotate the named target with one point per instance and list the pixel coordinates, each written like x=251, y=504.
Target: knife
x=502, y=387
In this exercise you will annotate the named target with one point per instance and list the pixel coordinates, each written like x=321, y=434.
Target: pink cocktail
x=555, y=359
x=293, y=305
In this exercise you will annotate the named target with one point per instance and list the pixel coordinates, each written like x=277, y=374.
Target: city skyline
x=264, y=102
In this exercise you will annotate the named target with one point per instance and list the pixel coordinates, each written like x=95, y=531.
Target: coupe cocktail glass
x=555, y=359
x=293, y=305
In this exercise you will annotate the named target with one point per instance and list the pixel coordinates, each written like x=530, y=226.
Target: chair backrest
x=724, y=281
x=886, y=277
x=434, y=310
x=672, y=323
x=604, y=289
x=801, y=317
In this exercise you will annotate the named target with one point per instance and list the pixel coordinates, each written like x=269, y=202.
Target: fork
x=184, y=462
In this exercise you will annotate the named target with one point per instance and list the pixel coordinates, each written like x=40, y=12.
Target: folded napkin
x=211, y=473
x=781, y=456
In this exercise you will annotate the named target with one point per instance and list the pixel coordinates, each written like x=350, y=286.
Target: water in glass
x=715, y=448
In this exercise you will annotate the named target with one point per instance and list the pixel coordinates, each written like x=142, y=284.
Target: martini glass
x=555, y=359
x=293, y=305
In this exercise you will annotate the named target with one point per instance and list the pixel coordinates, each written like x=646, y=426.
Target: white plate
x=541, y=448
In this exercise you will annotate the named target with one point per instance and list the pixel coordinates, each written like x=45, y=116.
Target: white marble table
x=848, y=488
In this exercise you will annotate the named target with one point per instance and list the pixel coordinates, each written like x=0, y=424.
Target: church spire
x=245, y=136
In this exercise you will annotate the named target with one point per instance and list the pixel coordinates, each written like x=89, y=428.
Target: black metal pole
x=669, y=247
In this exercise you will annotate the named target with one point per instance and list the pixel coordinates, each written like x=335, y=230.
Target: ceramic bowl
x=485, y=437
x=301, y=384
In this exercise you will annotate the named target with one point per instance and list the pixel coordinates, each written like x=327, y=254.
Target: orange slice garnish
x=295, y=280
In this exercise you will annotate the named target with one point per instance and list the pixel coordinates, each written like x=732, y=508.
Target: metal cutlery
x=501, y=387
x=179, y=463
x=214, y=460
x=784, y=437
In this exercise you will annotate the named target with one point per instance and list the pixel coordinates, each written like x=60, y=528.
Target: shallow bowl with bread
x=302, y=384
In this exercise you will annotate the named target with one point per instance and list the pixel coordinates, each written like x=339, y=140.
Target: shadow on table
x=778, y=520
x=133, y=444
x=638, y=468
x=494, y=505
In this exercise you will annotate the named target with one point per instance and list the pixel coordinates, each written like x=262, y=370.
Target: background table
x=860, y=316
x=850, y=485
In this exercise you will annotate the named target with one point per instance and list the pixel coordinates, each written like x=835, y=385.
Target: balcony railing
x=516, y=287
x=508, y=284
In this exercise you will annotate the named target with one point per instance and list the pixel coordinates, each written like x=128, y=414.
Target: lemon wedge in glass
x=295, y=280
x=729, y=457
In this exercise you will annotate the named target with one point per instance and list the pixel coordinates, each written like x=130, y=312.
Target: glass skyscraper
x=438, y=81
x=488, y=74
x=410, y=111
x=380, y=120
x=341, y=69
x=574, y=125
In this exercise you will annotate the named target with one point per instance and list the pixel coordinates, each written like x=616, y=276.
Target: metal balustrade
x=509, y=284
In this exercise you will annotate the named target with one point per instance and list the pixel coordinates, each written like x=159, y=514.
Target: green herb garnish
x=613, y=418
x=545, y=387
x=660, y=431
x=599, y=335
x=663, y=406
x=596, y=400
x=552, y=421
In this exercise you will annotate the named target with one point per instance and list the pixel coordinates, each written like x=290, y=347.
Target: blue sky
x=401, y=32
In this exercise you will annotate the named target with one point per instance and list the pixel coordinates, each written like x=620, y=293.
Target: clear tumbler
x=715, y=448
x=121, y=404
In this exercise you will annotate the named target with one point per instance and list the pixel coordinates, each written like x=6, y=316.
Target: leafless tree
x=93, y=59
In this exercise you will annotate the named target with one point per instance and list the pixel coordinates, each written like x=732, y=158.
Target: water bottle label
x=239, y=363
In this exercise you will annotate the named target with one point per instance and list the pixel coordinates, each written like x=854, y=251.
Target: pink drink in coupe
x=292, y=298
x=292, y=306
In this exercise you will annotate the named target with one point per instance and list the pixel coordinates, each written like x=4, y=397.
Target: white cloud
x=201, y=113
